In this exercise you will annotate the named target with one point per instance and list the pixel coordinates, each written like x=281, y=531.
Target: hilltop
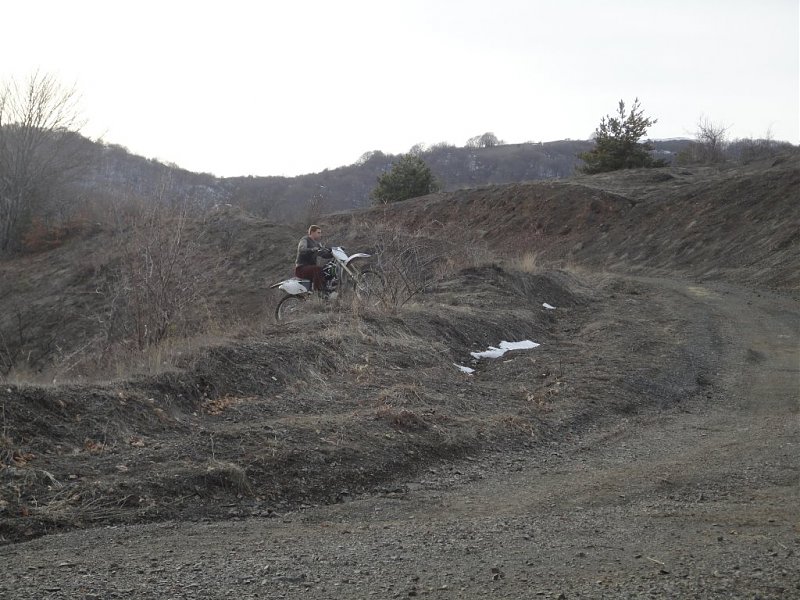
x=661, y=395
x=116, y=175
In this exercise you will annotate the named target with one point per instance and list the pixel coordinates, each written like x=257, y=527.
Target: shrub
x=617, y=144
x=408, y=178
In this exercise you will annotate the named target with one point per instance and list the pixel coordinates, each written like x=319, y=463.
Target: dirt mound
x=60, y=316
x=258, y=426
x=736, y=224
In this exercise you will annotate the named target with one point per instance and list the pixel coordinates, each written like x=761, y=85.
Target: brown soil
x=647, y=448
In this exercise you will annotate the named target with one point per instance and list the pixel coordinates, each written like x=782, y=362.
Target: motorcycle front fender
x=357, y=255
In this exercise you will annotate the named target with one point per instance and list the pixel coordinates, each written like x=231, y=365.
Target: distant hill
x=117, y=174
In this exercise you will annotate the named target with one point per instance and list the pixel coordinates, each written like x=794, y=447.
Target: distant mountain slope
x=349, y=187
x=117, y=174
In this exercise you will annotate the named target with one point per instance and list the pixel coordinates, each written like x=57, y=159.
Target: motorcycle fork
x=349, y=271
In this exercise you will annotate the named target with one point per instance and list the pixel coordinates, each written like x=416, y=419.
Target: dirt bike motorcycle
x=342, y=274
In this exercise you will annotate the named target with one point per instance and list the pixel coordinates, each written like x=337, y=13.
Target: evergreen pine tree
x=409, y=177
x=617, y=144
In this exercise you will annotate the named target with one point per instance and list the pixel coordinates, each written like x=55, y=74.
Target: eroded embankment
x=260, y=425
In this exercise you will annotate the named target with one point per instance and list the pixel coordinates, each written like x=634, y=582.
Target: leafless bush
x=158, y=289
x=413, y=263
x=410, y=265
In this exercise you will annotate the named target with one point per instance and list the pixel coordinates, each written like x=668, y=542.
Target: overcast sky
x=239, y=87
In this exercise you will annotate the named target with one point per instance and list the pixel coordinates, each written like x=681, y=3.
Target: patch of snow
x=464, y=369
x=523, y=345
x=493, y=352
x=548, y=307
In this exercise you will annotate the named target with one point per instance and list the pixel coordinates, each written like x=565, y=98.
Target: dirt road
x=698, y=499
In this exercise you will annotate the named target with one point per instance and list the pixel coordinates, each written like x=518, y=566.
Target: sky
x=268, y=87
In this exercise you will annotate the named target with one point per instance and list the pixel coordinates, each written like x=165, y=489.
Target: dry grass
x=527, y=263
x=542, y=399
x=517, y=423
x=217, y=406
x=400, y=418
x=402, y=394
x=227, y=475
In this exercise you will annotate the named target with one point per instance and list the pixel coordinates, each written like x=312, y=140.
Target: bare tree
x=417, y=149
x=486, y=140
x=711, y=140
x=39, y=127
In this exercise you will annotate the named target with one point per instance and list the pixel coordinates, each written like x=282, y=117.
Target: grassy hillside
x=63, y=314
x=230, y=414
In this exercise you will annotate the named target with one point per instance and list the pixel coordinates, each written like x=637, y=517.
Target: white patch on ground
x=504, y=347
x=497, y=352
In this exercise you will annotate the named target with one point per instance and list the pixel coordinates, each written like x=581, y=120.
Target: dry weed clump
x=518, y=423
x=402, y=394
x=527, y=263
x=542, y=399
x=217, y=406
x=227, y=475
x=400, y=418
x=22, y=490
x=93, y=446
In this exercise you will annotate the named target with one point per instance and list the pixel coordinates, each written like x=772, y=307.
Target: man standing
x=308, y=249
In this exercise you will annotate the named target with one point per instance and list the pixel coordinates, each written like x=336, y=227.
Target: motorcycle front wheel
x=370, y=287
x=290, y=307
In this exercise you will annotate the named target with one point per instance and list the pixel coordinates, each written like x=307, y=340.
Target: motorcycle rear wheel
x=291, y=307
